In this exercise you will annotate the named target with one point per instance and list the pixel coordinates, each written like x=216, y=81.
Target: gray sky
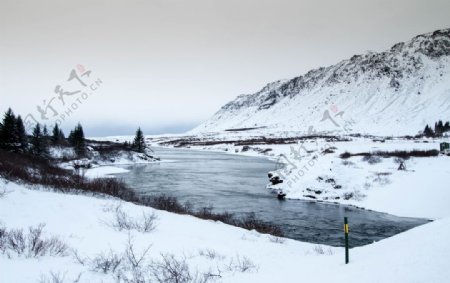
x=168, y=65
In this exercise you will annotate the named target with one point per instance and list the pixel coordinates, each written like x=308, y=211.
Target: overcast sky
x=169, y=65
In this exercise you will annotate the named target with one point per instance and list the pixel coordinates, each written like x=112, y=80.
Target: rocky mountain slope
x=395, y=92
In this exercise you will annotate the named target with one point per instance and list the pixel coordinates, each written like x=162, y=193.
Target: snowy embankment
x=100, y=164
x=229, y=254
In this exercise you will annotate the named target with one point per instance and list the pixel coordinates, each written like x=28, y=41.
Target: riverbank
x=206, y=249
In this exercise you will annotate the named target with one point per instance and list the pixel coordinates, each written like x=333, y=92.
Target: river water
x=236, y=184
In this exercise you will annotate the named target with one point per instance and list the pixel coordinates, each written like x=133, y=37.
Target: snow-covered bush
x=123, y=221
x=319, y=250
x=54, y=277
x=278, y=240
x=372, y=159
x=347, y=162
x=241, y=264
x=171, y=270
x=211, y=254
x=106, y=262
x=32, y=244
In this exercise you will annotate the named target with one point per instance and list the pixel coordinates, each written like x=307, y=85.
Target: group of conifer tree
x=14, y=137
x=439, y=129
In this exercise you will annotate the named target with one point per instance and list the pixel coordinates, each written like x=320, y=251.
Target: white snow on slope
x=396, y=92
x=418, y=255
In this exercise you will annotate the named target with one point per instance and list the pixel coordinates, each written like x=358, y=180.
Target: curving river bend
x=236, y=184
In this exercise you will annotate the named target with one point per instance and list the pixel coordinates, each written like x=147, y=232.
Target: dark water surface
x=237, y=184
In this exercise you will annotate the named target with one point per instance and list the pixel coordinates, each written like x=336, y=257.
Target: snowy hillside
x=395, y=92
x=96, y=249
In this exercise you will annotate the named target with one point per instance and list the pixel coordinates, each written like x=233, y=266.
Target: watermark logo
x=68, y=97
x=299, y=161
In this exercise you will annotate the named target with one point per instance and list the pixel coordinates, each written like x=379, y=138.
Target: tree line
x=439, y=129
x=14, y=137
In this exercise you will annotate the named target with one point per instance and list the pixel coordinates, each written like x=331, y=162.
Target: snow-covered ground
x=85, y=224
x=231, y=254
x=103, y=171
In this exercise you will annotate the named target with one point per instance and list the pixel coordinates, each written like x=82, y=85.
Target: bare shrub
x=207, y=213
x=211, y=254
x=15, y=241
x=78, y=258
x=404, y=154
x=147, y=223
x=347, y=162
x=32, y=244
x=52, y=278
x=250, y=222
x=36, y=170
x=319, y=249
x=123, y=221
x=241, y=264
x=134, y=259
x=171, y=270
x=382, y=178
x=134, y=268
x=106, y=263
x=2, y=239
x=372, y=159
x=168, y=203
x=278, y=240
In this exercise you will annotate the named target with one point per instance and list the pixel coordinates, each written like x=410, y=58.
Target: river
x=236, y=184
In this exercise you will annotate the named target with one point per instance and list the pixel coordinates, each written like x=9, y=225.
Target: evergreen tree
x=438, y=128
x=76, y=139
x=57, y=137
x=45, y=136
x=8, y=138
x=38, y=143
x=62, y=137
x=428, y=132
x=45, y=131
x=447, y=127
x=139, y=141
x=21, y=134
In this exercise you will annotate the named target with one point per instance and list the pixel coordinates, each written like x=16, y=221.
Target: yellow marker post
x=346, y=240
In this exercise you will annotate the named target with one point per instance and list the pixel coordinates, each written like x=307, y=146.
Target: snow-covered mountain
x=395, y=92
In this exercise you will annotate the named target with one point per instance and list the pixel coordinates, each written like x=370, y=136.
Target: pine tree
x=57, y=137
x=38, y=143
x=21, y=134
x=428, y=132
x=8, y=138
x=45, y=131
x=45, y=136
x=139, y=141
x=62, y=137
x=438, y=128
x=76, y=139
x=447, y=127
